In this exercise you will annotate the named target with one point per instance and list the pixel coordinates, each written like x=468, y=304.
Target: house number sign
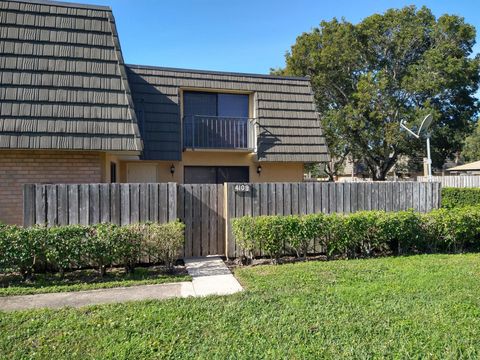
x=242, y=188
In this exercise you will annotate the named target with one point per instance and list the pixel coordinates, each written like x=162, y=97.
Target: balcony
x=219, y=132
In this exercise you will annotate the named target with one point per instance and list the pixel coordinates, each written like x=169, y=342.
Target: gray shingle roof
x=289, y=126
x=63, y=83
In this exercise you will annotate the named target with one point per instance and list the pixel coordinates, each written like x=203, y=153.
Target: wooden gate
x=201, y=208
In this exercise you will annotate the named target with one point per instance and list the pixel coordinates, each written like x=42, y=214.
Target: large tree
x=402, y=64
x=471, y=150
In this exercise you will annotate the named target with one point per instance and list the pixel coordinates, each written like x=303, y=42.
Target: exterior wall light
x=259, y=169
x=172, y=169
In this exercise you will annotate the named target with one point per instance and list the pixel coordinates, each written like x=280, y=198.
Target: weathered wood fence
x=207, y=209
x=85, y=204
x=201, y=208
x=458, y=181
x=309, y=198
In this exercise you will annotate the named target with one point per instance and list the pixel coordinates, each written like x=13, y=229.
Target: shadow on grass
x=89, y=279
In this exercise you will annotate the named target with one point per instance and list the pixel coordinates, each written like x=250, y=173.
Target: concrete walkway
x=210, y=276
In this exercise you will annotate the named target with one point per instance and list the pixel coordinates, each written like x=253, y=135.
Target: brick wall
x=21, y=167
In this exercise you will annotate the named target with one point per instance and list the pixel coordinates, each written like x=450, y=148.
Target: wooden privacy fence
x=86, y=204
x=207, y=209
x=309, y=198
x=201, y=208
x=458, y=181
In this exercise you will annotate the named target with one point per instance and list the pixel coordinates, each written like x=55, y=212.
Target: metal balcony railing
x=219, y=132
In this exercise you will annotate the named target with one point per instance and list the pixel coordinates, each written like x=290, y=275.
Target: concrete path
x=210, y=276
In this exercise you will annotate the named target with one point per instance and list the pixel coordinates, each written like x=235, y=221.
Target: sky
x=241, y=36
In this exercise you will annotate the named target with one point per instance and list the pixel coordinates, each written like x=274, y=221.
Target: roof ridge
x=267, y=76
x=65, y=4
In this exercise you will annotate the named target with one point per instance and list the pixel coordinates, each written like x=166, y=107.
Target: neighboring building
x=71, y=111
x=472, y=168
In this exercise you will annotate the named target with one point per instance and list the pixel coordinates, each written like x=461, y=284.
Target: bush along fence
x=363, y=234
x=327, y=198
x=458, y=197
x=63, y=248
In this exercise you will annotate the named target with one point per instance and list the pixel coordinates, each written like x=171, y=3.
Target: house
x=471, y=168
x=71, y=111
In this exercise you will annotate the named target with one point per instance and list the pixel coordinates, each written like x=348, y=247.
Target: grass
x=88, y=280
x=407, y=307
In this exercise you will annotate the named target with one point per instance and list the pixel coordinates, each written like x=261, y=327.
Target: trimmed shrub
x=363, y=234
x=128, y=246
x=102, y=244
x=453, y=230
x=21, y=249
x=244, y=231
x=403, y=232
x=271, y=233
x=163, y=242
x=460, y=197
x=65, y=247
x=313, y=229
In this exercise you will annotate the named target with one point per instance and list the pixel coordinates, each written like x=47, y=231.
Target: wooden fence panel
x=206, y=209
x=201, y=208
x=458, y=181
x=69, y=204
x=308, y=198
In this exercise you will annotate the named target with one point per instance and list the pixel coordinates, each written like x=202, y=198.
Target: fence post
x=229, y=205
x=172, y=201
x=28, y=205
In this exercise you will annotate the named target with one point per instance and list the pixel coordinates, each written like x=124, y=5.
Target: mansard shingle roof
x=63, y=83
x=289, y=125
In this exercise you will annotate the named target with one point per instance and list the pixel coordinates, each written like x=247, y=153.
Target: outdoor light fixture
x=259, y=169
x=172, y=169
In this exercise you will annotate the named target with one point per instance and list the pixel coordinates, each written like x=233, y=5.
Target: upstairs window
x=215, y=104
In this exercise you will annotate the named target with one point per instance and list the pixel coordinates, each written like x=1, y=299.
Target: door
x=141, y=173
x=215, y=174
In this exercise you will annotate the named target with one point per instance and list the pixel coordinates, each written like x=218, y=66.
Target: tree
x=471, y=150
x=402, y=64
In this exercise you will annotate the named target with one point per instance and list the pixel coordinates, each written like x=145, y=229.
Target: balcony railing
x=219, y=132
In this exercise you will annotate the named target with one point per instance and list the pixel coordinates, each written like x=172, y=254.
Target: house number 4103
x=242, y=188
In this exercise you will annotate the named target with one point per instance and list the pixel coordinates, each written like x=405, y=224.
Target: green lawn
x=405, y=307
x=86, y=280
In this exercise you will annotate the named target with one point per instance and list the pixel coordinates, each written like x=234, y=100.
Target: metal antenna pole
x=429, y=159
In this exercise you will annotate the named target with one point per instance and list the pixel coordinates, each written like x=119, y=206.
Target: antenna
x=424, y=126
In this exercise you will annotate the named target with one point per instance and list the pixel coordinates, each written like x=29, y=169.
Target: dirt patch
x=236, y=263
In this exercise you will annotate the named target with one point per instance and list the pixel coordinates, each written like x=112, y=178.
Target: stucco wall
x=271, y=172
x=21, y=167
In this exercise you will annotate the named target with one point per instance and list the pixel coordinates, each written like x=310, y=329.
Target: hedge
x=362, y=234
x=74, y=246
x=460, y=197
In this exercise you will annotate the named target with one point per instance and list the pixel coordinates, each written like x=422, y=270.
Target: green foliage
x=128, y=246
x=244, y=231
x=85, y=279
x=21, y=249
x=408, y=307
x=163, y=242
x=459, y=197
x=365, y=233
x=471, y=149
x=394, y=66
x=271, y=234
x=101, y=246
x=65, y=247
